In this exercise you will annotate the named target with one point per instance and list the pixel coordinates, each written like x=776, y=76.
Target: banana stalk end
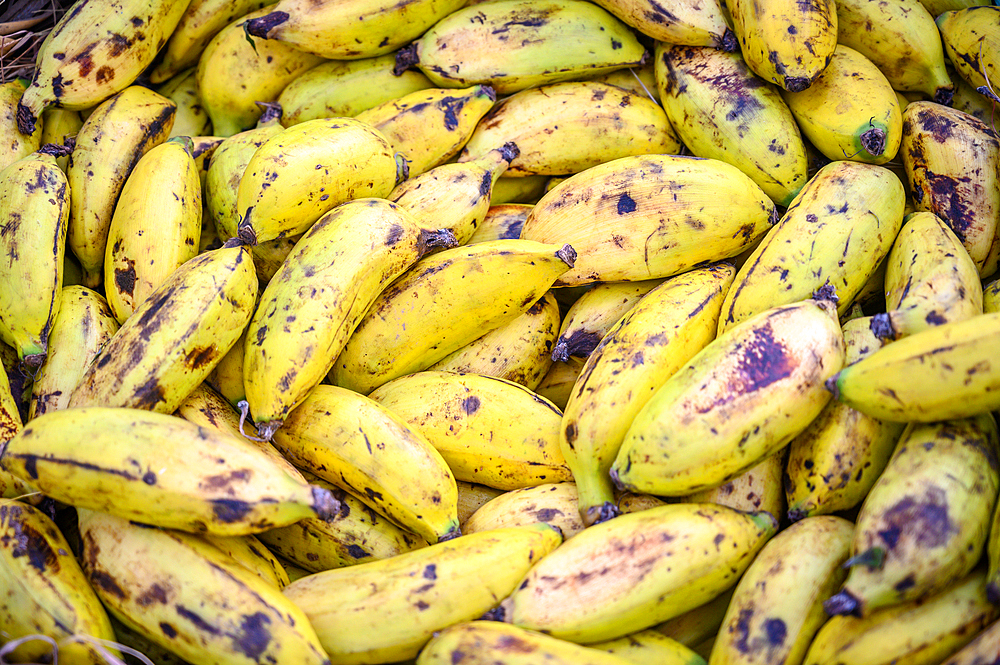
x=842, y=603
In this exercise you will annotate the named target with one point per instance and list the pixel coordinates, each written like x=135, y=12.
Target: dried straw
x=23, y=27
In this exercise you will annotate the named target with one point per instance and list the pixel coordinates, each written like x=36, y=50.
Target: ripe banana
x=502, y=221
x=985, y=648
x=699, y=625
x=991, y=296
x=94, y=51
x=971, y=38
x=722, y=110
x=649, y=647
x=564, y=128
x=677, y=21
x=518, y=190
x=386, y=611
x=471, y=497
x=758, y=488
x=13, y=144
x=34, y=211
x=191, y=118
x=969, y=100
x=741, y=398
x=637, y=80
x=520, y=44
x=11, y=487
x=650, y=216
x=632, y=572
x=250, y=553
x=552, y=503
x=59, y=126
x=227, y=377
x=642, y=350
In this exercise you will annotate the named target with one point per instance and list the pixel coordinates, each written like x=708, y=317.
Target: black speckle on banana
x=191, y=118
x=517, y=44
x=677, y=21
x=502, y=221
x=60, y=126
x=971, y=40
x=594, y=313
x=756, y=489
x=552, y=503
x=970, y=100
x=722, y=110
x=13, y=144
x=251, y=553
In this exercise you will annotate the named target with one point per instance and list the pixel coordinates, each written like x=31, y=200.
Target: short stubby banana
x=971, y=38
x=552, y=503
x=650, y=216
x=595, y=313
x=677, y=21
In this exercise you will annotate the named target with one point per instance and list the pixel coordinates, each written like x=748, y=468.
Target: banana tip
x=509, y=151
x=267, y=429
x=406, y=58
x=831, y=385
x=873, y=141
x=567, y=254
x=729, y=43
x=271, y=111
x=796, y=514
x=25, y=120
x=944, y=95
x=797, y=83
x=881, y=326
x=451, y=534
x=560, y=352
x=602, y=513
x=326, y=505
x=262, y=25
x=842, y=603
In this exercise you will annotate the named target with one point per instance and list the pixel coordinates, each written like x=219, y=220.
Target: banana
x=191, y=118
x=930, y=279
x=552, y=503
x=677, y=21
x=183, y=593
x=233, y=75
x=834, y=462
x=918, y=632
x=156, y=225
x=386, y=611
x=59, y=126
x=637, y=80
x=594, y=313
x=959, y=378
x=518, y=44
x=814, y=243
x=650, y=216
x=518, y=190
x=649, y=647
x=250, y=553
x=991, y=296
x=786, y=42
x=95, y=51
x=349, y=256
x=938, y=7
x=501, y=222
x=18, y=381
x=558, y=382
x=227, y=377
x=357, y=444
x=778, y=604
x=429, y=127
x=114, y=460
x=13, y=144
x=758, y=488
x=985, y=648
x=34, y=212
x=45, y=592
x=924, y=524
x=126, y=637
x=627, y=502
x=520, y=351
x=722, y=110
x=564, y=128
x=699, y=625
x=471, y=497
x=203, y=148
x=11, y=487
x=660, y=333
x=489, y=431
x=970, y=100
x=176, y=335
x=741, y=398
x=111, y=141
x=950, y=159
x=458, y=193
x=638, y=570
x=971, y=38
x=321, y=164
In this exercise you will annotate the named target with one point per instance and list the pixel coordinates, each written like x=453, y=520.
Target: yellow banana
x=639, y=80
x=924, y=524
x=552, y=503
x=60, y=126
x=971, y=38
x=519, y=44
x=637, y=570
x=638, y=354
x=970, y=100
x=471, y=497
x=191, y=118
x=558, y=382
x=594, y=313
x=743, y=121
x=95, y=51
x=650, y=216
x=677, y=21
x=938, y=7
x=627, y=502
x=250, y=553
x=227, y=377
x=815, y=242
x=489, y=431
x=778, y=604
x=699, y=625
x=13, y=144
x=950, y=159
x=349, y=256
x=564, y=128
x=386, y=611
x=126, y=637
x=758, y=488
x=518, y=190
x=991, y=296
x=649, y=647
x=34, y=211
x=183, y=593
x=984, y=648
x=501, y=222
x=11, y=487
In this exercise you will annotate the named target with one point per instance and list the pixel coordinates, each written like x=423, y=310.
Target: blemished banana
x=984, y=648
x=472, y=497
x=925, y=522
x=637, y=570
x=329, y=281
x=156, y=225
x=430, y=126
x=991, y=296
x=558, y=382
x=183, y=593
x=744, y=122
x=34, y=212
x=650, y=216
x=306, y=170
x=815, y=242
x=250, y=552
x=11, y=487
x=967, y=99
x=639, y=80
x=971, y=39
x=176, y=336
x=502, y=221
x=444, y=302
x=191, y=118
x=457, y=194
x=649, y=647
x=778, y=604
x=920, y=632
x=660, y=333
x=594, y=313
x=94, y=52
x=563, y=128
x=950, y=159
x=13, y=144
x=59, y=126
x=227, y=377
x=111, y=141
x=930, y=279
x=697, y=626
x=834, y=462
x=521, y=44
x=358, y=445
x=520, y=351
x=741, y=398
x=786, y=42
x=850, y=111
x=677, y=21
x=627, y=502
x=386, y=611
x=552, y=503
x=756, y=489
x=234, y=74
x=489, y=431
x=492, y=642
x=45, y=592
x=958, y=376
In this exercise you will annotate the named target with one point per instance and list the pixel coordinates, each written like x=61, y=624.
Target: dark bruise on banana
x=19, y=535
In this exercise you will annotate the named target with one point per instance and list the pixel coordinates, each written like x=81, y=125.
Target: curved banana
x=471, y=497
x=552, y=503
x=502, y=221
x=595, y=313
x=249, y=552
x=386, y=611
x=13, y=144
x=971, y=39
x=756, y=489
x=677, y=21
x=191, y=118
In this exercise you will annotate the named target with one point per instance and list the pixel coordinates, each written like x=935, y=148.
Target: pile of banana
x=504, y=331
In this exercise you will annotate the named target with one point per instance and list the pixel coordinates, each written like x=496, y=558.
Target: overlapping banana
x=677, y=21
x=552, y=503
x=191, y=118
x=971, y=37
x=756, y=489
x=594, y=313
x=16, y=145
